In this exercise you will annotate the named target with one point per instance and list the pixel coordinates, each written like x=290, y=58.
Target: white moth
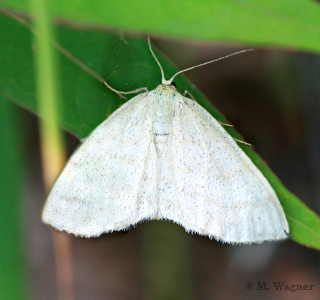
x=162, y=156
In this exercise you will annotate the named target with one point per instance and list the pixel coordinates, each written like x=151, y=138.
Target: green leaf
x=288, y=23
x=12, y=267
x=126, y=64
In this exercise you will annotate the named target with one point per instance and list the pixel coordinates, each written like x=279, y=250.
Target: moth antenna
x=163, y=80
x=208, y=62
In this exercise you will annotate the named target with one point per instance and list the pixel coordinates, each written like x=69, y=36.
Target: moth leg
x=121, y=93
x=225, y=124
x=243, y=142
x=191, y=96
x=93, y=73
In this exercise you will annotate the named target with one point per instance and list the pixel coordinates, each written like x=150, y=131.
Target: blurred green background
x=270, y=95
